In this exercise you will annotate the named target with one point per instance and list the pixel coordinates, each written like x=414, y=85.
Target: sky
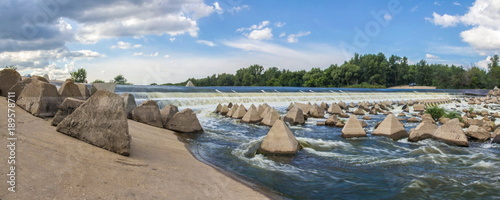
x=169, y=41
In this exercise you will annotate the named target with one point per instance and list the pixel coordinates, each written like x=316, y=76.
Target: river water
x=329, y=166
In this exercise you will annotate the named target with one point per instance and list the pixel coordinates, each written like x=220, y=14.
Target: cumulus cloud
x=125, y=45
x=42, y=58
x=146, y=55
x=263, y=34
x=430, y=56
x=457, y=4
x=484, y=20
x=279, y=24
x=483, y=64
x=218, y=9
x=293, y=38
x=238, y=8
x=205, y=42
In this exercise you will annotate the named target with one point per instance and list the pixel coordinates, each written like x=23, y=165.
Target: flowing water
x=329, y=166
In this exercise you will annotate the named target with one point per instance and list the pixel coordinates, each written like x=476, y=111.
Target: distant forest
x=366, y=71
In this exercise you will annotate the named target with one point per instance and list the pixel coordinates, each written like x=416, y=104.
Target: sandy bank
x=51, y=165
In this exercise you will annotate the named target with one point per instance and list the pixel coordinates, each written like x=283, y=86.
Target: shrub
x=436, y=112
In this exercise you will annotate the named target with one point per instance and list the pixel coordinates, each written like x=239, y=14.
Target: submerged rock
x=101, y=121
x=279, y=141
x=353, y=128
x=452, y=133
x=185, y=121
x=391, y=127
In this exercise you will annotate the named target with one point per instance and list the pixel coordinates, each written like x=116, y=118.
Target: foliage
x=153, y=84
x=11, y=67
x=453, y=115
x=98, y=81
x=120, y=79
x=369, y=70
x=436, y=112
x=79, y=76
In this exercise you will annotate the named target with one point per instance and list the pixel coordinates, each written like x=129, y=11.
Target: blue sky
x=170, y=41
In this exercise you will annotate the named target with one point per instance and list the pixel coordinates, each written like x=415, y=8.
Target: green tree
x=79, y=76
x=11, y=67
x=119, y=79
x=494, y=71
x=98, y=81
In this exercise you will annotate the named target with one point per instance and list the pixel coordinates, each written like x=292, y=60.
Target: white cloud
x=293, y=38
x=437, y=3
x=166, y=56
x=172, y=39
x=264, y=34
x=43, y=58
x=218, y=9
x=238, y=8
x=430, y=56
x=282, y=34
x=457, y=4
x=138, y=54
x=279, y=24
x=255, y=26
x=205, y=42
x=483, y=64
x=485, y=21
x=146, y=55
x=443, y=20
x=125, y=45
x=387, y=17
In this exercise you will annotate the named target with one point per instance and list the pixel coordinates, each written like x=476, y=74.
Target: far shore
x=412, y=87
x=51, y=165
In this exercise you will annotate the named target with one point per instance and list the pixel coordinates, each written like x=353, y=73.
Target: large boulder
x=224, y=110
x=452, y=133
x=418, y=107
x=130, y=103
x=167, y=113
x=8, y=78
x=68, y=106
x=18, y=87
x=84, y=90
x=70, y=89
x=334, y=109
x=391, y=127
x=359, y=111
x=295, y=116
x=478, y=133
x=304, y=107
x=496, y=136
x=270, y=118
x=342, y=105
x=316, y=111
x=110, y=87
x=101, y=121
x=149, y=113
x=185, y=121
x=40, y=99
x=218, y=108
x=240, y=112
x=423, y=131
x=332, y=120
x=279, y=141
x=232, y=110
x=251, y=116
x=353, y=128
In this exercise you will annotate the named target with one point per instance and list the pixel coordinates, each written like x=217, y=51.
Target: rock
x=401, y=115
x=264, y=113
x=359, y=111
x=332, y=120
x=451, y=133
x=478, y=133
x=46, y=77
x=316, y=112
x=224, y=110
x=412, y=119
x=351, y=105
x=295, y=116
x=262, y=108
x=323, y=105
x=423, y=131
x=8, y=78
x=475, y=122
x=363, y=124
x=279, y=141
x=130, y=104
x=230, y=105
x=84, y=90
x=232, y=110
x=70, y=89
x=167, y=113
x=418, y=107
x=373, y=112
x=101, y=121
x=185, y=121
x=270, y=118
x=240, y=112
x=68, y=106
x=334, y=109
x=218, y=108
x=366, y=117
x=343, y=115
x=320, y=123
x=340, y=124
x=496, y=136
x=189, y=84
x=40, y=99
x=342, y=105
x=251, y=116
x=110, y=87
x=304, y=107
x=353, y=128
x=149, y=113
x=443, y=120
x=391, y=128
x=19, y=86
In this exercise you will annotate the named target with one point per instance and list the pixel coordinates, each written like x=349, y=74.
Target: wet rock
x=185, y=121
x=218, y=108
x=418, y=107
x=367, y=117
x=412, y=119
x=130, y=104
x=40, y=99
x=317, y=112
x=101, y=121
x=391, y=127
x=240, y=112
x=334, y=109
x=451, y=133
x=401, y=115
x=332, y=120
x=423, y=131
x=68, y=106
x=8, y=78
x=232, y=110
x=224, y=110
x=279, y=141
x=149, y=113
x=251, y=116
x=359, y=111
x=496, y=136
x=295, y=116
x=353, y=128
x=478, y=133
x=270, y=118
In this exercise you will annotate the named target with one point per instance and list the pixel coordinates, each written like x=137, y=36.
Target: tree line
x=368, y=71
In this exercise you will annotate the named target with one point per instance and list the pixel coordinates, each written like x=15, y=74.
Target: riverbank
x=412, y=87
x=51, y=165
